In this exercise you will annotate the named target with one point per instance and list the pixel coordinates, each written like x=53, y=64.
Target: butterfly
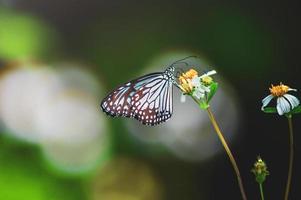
x=147, y=99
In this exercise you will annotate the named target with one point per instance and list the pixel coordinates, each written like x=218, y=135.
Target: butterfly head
x=170, y=73
x=176, y=68
x=170, y=69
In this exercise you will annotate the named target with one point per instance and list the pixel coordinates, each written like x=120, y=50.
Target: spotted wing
x=147, y=99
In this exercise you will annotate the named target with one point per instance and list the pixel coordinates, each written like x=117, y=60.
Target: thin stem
x=261, y=191
x=224, y=143
x=291, y=157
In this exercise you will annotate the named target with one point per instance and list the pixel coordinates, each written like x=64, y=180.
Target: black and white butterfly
x=147, y=98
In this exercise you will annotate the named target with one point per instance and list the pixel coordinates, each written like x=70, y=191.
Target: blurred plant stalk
x=202, y=89
x=228, y=151
x=291, y=157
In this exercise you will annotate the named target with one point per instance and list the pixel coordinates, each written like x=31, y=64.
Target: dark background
x=253, y=43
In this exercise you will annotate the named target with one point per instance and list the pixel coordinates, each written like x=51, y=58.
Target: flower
x=199, y=88
x=190, y=74
x=285, y=102
x=207, y=80
x=260, y=170
x=192, y=84
x=185, y=81
x=202, y=84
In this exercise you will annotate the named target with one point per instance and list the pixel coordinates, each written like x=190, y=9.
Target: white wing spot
x=144, y=106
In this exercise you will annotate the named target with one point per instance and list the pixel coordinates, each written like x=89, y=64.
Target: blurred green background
x=59, y=59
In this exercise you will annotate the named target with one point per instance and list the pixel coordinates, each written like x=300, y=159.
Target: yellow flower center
x=191, y=74
x=207, y=80
x=185, y=80
x=260, y=167
x=279, y=90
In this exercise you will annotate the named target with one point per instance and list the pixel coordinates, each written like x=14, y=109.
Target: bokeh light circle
x=126, y=178
x=56, y=108
x=189, y=134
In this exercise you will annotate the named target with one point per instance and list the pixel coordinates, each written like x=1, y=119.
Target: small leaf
x=204, y=105
x=260, y=178
x=269, y=110
x=296, y=110
x=213, y=89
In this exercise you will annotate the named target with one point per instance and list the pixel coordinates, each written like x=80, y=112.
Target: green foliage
x=270, y=110
x=213, y=89
x=203, y=105
x=23, y=36
x=296, y=110
x=23, y=177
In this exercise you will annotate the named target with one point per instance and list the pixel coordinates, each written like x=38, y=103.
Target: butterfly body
x=147, y=99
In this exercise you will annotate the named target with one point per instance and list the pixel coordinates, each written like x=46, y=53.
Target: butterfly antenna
x=179, y=72
x=181, y=62
x=177, y=61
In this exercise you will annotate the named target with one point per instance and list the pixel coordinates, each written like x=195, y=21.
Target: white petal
x=283, y=106
x=202, y=88
x=207, y=89
x=266, y=101
x=198, y=94
x=183, y=98
x=293, y=100
x=212, y=72
x=196, y=81
x=292, y=89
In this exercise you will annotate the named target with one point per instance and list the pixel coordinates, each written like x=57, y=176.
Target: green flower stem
x=261, y=191
x=291, y=157
x=224, y=143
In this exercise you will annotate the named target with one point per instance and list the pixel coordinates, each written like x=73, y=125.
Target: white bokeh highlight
x=22, y=93
x=189, y=134
x=58, y=110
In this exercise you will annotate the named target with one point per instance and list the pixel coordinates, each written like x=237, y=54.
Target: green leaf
x=213, y=89
x=269, y=110
x=260, y=178
x=203, y=105
x=296, y=110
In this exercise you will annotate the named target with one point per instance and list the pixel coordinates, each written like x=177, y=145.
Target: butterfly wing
x=147, y=99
